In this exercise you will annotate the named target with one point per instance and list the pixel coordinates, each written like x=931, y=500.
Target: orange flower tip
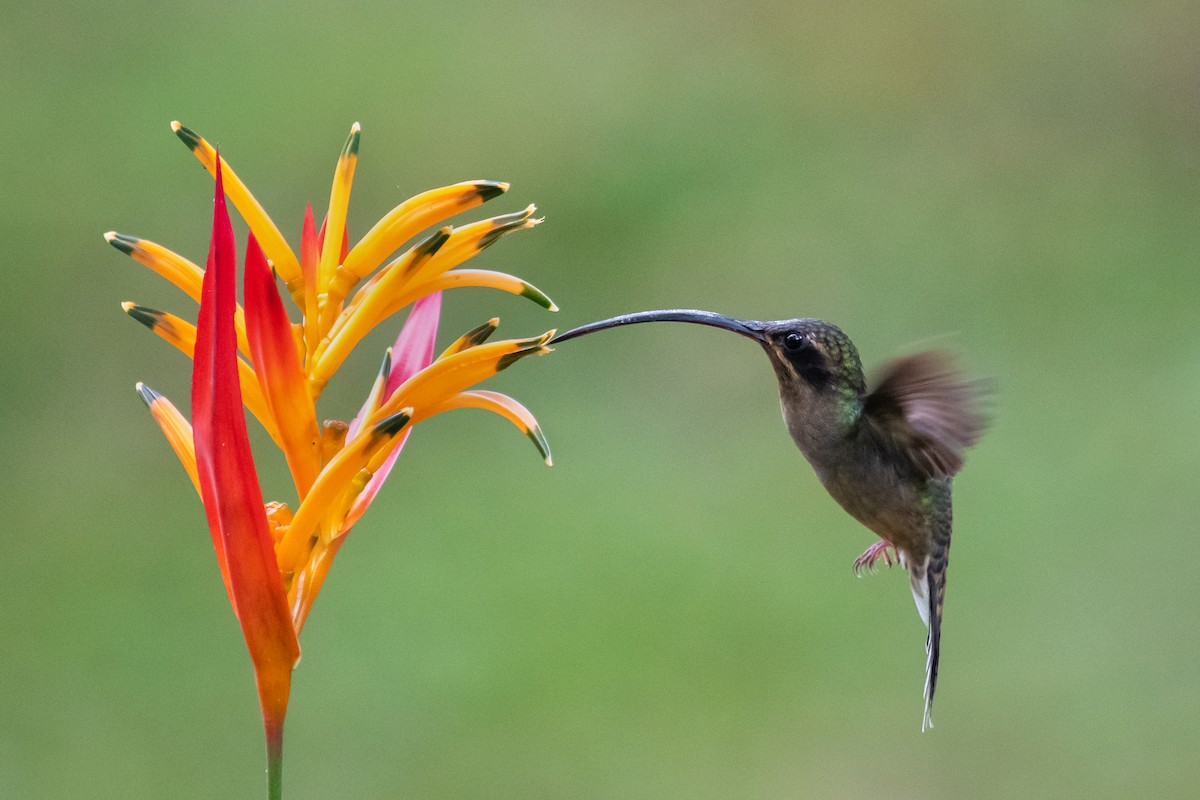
x=390, y=426
x=149, y=317
x=538, y=296
x=148, y=395
x=386, y=368
x=490, y=189
x=186, y=135
x=126, y=244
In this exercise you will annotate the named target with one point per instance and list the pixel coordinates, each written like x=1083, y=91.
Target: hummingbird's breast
x=865, y=477
x=883, y=496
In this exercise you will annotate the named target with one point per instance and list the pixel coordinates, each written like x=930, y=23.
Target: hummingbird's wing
x=928, y=409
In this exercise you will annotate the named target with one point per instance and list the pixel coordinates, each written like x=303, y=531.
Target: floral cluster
x=274, y=557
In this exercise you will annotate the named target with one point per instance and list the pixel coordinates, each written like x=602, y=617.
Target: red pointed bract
x=345, y=240
x=310, y=250
x=310, y=253
x=229, y=485
x=280, y=374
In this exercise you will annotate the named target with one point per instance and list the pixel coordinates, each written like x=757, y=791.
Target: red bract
x=230, y=491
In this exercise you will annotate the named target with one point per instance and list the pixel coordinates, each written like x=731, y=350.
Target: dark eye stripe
x=818, y=377
x=810, y=363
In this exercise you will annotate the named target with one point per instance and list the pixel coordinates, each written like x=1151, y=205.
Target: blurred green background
x=669, y=612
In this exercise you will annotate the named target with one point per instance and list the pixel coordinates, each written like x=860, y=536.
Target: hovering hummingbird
x=887, y=455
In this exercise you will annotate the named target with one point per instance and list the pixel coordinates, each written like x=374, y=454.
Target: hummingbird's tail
x=929, y=590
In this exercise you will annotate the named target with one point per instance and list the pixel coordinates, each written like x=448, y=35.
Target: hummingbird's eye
x=793, y=341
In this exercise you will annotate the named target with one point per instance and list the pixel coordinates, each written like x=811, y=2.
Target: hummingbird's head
x=812, y=358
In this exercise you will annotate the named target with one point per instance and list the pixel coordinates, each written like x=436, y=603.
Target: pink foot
x=881, y=549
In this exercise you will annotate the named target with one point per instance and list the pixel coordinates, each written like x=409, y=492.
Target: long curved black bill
x=745, y=327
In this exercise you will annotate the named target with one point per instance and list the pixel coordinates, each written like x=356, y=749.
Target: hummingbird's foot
x=881, y=549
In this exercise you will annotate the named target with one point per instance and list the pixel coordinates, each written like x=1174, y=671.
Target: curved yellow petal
x=331, y=483
x=273, y=244
x=497, y=403
x=343, y=338
x=339, y=201
x=182, y=335
x=175, y=268
x=369, y=307
x=467, y=241
x=472, y=338
x=407, y=220
x=178, y=270
x=487, y=279
x=175, y=427
x=451, y=375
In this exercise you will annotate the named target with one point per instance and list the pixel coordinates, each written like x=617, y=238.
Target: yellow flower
x=273, y=561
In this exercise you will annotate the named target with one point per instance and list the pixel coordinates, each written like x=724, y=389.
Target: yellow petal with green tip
x=500, y=404
x=369, y=307
x=269, y=237
x=176, y=269
x=469, y=240
x=182, y=335
x=175, y=427
x=449, y=376
x=410, y=218
x=339, y=200
x=331, y=483
x=472, y=338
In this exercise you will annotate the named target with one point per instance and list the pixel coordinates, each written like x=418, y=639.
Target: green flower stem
x=274, y=733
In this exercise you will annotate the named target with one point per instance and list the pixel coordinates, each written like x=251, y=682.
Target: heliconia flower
x=273, y=561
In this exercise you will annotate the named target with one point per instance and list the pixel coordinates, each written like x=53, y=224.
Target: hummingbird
x=886, y=453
